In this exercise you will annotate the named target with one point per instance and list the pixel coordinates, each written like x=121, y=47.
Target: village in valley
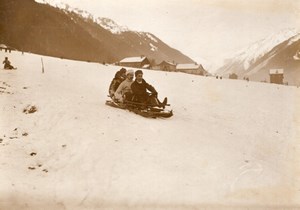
x=144, y=63
x=276, y=76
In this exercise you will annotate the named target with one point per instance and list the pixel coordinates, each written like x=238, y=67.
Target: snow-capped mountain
x=106, y=23
x=275, y=51
x=58, y=30
x=260, y=48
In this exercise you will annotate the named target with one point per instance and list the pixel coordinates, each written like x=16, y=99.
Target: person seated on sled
x=7, y=64
x=124, y=90
x=120, y=76
x=139, y=90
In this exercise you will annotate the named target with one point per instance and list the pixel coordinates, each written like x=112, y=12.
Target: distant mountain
x=279, y=50
x=75, y=34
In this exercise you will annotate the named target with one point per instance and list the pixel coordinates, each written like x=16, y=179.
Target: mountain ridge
x=274, y=51
x=41, y=28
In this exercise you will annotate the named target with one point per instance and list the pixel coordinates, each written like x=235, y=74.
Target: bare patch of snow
x=153, y=47
x=41, y=1
x=297, y=55
x=151, y=37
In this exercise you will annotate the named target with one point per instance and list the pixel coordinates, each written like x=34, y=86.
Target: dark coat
x=139, y=91
x=7, y=65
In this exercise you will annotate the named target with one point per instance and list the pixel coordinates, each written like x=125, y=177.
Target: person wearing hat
x=7, y=64
x=120, y=76
x=124, y=90
x=140, y=94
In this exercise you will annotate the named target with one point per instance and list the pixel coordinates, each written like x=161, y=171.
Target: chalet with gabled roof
x=5, y=48
x=167, y=66
x=191, y=68
x=136, y=62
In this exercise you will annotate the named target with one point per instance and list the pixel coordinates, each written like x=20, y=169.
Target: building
x=136, y=62
x=233, y=76
x=5, y=48
x=167, y=66
x=191, y=68
x=276, y=76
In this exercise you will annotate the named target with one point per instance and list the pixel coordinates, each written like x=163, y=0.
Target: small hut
x=233, y=76
x=276, y=76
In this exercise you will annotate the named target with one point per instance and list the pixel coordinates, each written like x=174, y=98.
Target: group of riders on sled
x=124, y=89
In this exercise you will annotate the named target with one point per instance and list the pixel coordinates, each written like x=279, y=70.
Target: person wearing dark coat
x=120, y=76
x=140, y=92
x=7, y=64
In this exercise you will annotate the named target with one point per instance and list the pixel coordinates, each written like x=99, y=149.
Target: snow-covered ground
x=230, y=143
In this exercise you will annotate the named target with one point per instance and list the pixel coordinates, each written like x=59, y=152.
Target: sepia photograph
x=149, y=104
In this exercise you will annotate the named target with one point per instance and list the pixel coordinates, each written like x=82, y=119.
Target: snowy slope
x=229, y=143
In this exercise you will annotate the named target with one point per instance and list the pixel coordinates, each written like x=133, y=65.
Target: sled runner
x=142, y=109
x=6, y=69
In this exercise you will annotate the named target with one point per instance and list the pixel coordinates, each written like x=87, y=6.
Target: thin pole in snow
x=43, y=71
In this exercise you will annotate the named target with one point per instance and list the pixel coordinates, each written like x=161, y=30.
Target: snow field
x=229, y=144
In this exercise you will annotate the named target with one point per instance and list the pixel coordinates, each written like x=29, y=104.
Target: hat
x=138, y=72
x=129, y=71
x=122, y=70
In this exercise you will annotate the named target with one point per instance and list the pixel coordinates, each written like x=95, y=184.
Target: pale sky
x=201, y=29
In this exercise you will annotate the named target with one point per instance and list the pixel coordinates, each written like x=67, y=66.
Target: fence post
x=43, y=71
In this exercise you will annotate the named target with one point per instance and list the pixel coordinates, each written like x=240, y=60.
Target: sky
x=205, y=30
